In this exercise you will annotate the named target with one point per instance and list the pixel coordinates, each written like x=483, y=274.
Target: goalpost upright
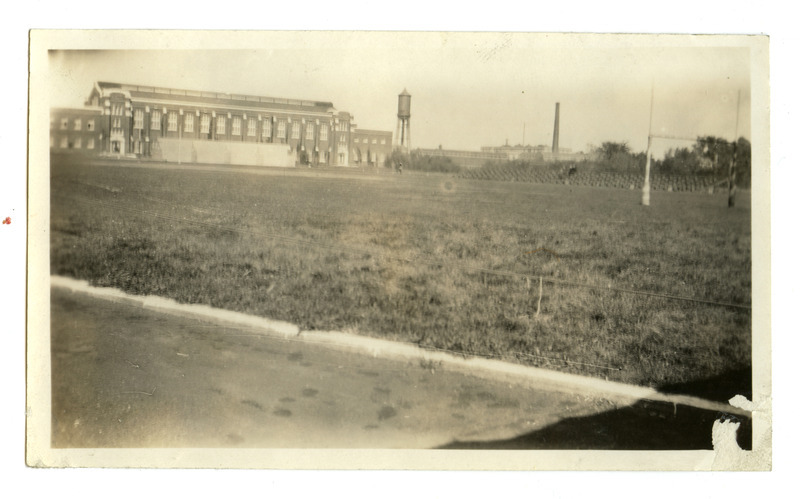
x=646, y=186
x=650, y=137
x=732, y=168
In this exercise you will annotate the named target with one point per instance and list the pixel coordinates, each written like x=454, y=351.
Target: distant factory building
x=534, y=153
x=475, y=159
x=166, y=124
x=544, y=154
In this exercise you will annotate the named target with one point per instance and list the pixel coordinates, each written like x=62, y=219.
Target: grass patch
x=400, y=257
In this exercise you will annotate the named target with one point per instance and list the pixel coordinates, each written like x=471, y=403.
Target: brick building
x=164, y=124
x=371, y=147
x=77, y=131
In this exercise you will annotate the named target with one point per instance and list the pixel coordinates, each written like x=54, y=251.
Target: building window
x=138, y=119
x=90, y=143
x=236, y=126
x=221, y=125
x=383, y=142
x=117, y=123
x=117, y=109
x=310, y=131
x=78, y=143
x=188, y=123
x=155, y=120
x=64, y=143
x=281, y=129
x=323, y=132
x=267, y=130
x=205, y=124
x=78, y=124
x=296, y=130
x=172, y=121
x=64, y=123
x=251, y=127
x=90, y=125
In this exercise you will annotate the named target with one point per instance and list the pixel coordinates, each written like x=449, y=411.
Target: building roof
x=76, y=110
x=218, y=98
x=462, y=154
x=357, y=130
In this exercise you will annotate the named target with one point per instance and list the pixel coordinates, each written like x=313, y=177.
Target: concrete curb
x=542, y=378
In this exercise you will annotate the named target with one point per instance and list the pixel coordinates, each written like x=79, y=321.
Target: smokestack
x=555, y=132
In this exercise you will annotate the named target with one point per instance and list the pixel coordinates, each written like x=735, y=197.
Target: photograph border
x=39, y=452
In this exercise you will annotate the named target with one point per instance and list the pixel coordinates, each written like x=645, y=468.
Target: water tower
x=404, y=121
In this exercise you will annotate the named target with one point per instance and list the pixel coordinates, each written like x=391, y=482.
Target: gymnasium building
x=165, y=124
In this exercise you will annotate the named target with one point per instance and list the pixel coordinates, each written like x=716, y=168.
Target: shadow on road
x=719, y=388
x=644, y=425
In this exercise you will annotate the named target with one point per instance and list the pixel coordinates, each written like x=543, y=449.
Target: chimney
x=555, y=132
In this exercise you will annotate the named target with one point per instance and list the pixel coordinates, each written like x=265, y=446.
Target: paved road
x=124, y=376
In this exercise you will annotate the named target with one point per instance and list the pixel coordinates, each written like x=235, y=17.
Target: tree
x=395, y=159
x=681, y=161
x=715, y=152
x=743, y=162
x=612, y=150
x=617, y=156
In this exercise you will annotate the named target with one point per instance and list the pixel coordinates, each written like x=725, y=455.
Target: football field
x=578, y=279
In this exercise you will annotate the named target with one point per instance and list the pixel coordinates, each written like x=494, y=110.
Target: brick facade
x=77, y=131
x=371, y=147
x=133, y=121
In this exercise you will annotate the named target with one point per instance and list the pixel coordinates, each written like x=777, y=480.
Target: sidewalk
x=140, y=372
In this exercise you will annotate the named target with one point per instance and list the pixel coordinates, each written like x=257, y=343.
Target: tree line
x=707, y=156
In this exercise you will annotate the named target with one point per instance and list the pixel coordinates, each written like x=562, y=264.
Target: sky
x=468, y=89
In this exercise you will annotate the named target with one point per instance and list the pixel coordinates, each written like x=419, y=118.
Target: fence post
x=539, y=303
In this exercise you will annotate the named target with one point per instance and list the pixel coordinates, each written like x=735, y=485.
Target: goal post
x=651, y=136
x=646, y=186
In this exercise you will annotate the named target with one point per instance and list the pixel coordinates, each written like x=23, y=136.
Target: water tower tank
x=404, y=104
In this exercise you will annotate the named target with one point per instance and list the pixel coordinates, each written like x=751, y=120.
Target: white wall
x=227, y=153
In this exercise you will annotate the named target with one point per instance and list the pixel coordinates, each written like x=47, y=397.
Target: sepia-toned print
x=248, y=257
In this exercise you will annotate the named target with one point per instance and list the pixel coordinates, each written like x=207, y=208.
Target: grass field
x=443, y=262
